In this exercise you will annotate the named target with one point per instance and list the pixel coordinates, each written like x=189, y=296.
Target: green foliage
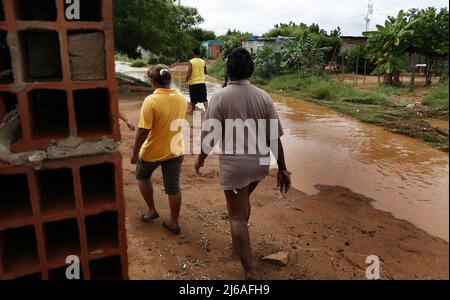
x=202, y=35
x=122, y=57
x=430, y=36
x=423, y=31
x=161, y=59
x=388, y=45
x=431, y=31
x=303, y=56
x=160, y=26
x=359, y=55
x=324, y=88
x=217, y=69
x=233, y=39
x=138, y=63
x=438, y=98
x=372, y=99
x=320, y=37
x=391, y=90
x=267, y=62
x=321, y=90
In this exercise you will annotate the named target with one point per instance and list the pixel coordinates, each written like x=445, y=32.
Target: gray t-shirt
x=249, y=122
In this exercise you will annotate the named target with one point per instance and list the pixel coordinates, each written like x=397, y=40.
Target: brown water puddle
x=438, y=123
x=405, y=176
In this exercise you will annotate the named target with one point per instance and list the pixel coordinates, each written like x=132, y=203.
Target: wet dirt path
x=405, y=176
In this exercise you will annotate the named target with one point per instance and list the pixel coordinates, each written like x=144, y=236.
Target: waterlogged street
x=404, y=176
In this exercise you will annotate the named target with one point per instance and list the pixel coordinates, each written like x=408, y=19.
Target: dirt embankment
x=328, y=236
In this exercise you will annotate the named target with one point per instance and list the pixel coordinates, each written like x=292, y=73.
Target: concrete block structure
x=69, y=207
x=59, y=73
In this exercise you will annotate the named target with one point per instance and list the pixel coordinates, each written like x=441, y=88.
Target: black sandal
x=175, y=231
x=146, y=219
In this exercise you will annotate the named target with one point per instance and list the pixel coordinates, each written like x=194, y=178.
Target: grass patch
x=122, y=57
x=138, y=63
x=438, y=98
x=217, y=69
x=391, y=90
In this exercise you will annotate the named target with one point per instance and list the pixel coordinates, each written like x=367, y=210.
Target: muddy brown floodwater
x=405, y=176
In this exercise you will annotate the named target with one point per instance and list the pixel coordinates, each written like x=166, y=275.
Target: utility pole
x=369, y=13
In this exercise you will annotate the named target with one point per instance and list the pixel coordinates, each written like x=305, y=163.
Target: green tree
x=388, y=45
x=329, y=43
x=233, y=39
x=202, y=35
x=267, y=62
x=160, y=26
x=429, y=38
x=302, y=55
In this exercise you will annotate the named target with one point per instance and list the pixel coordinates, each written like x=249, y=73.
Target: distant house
x=257, y=43
x=213, y=48
x=351, y=42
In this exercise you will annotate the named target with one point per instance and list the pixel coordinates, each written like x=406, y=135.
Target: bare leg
x=238, y=212
x=175, y=207
x=251, y=189
x=146, y=188
x=192, y=108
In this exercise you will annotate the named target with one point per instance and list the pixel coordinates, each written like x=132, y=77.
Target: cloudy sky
x=258, y=16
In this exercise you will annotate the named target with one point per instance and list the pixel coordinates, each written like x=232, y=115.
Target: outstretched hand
x=284, y=181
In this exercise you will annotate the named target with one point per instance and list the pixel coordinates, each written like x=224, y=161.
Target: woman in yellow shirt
x=157, y=144
x=196, y=81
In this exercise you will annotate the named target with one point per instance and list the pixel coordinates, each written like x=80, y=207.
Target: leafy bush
x=217, y=69
x=321, y=90
x=161, y=59
x=303, y=56
x=122, y=57
x=267, y=63
x=138, y=63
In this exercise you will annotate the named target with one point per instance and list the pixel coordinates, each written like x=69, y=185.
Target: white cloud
x=258, y=16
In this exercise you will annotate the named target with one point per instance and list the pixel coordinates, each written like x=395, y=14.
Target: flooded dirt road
x=405, y=176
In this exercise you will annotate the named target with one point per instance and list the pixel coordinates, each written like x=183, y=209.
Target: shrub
x=321, y=90
x=217, y=69
x=267, y=63
x=161, y=59
x=438, y=98
x=138, y=63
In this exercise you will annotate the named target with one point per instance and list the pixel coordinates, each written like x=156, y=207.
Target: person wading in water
x=241, y=173
x=196, y=81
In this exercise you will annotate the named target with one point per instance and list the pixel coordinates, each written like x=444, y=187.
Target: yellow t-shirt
x=164, y=109
x=198, y=71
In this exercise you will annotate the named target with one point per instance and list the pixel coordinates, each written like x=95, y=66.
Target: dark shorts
x=198, y=93
x=171, y=173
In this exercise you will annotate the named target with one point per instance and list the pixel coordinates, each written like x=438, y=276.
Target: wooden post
x=365, y=70
x=413, y=71
x=357, y=67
